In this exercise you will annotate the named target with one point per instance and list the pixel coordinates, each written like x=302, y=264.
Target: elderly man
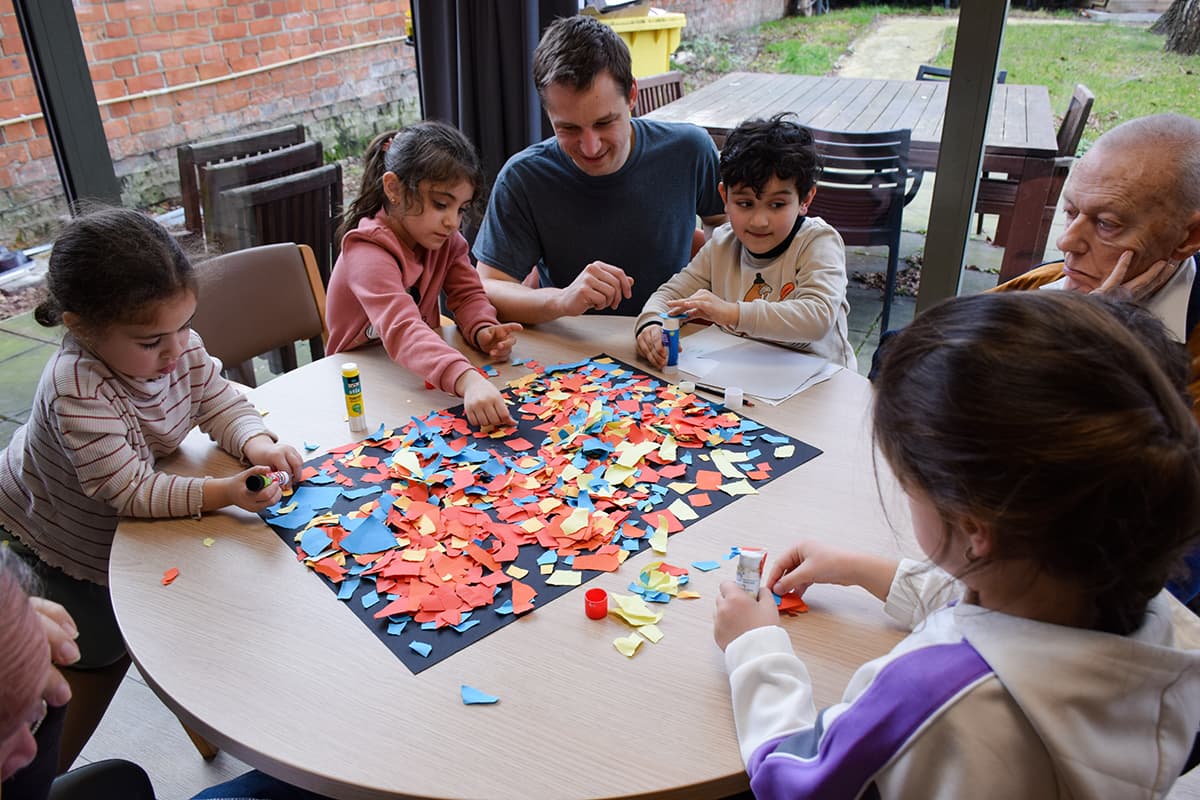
x=600, y=215
x=1132, y=204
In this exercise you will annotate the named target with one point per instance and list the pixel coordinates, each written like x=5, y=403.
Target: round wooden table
x=251, y=650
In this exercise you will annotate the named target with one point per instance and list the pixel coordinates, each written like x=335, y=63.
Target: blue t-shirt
x=544, y=210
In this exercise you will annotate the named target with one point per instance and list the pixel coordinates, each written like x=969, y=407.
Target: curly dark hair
x=758, y=149
x=1060, y=427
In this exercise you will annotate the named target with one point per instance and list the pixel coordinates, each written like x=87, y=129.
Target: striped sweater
x=86, y=456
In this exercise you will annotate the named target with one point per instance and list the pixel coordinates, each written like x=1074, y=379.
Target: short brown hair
x=1049, y=419
x=574, y=50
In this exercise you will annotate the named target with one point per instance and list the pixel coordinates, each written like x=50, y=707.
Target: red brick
x=316, y=35
x=266, y=44
x=211, y=53
x=293, y=22
x=198, y=4
x=269, y=25
x=386, y=9
x=299, y=37
x=140, y=26
x=18, y=132
x=107, y=90
x=206, y=18
x=116, y=129
x=116, y=30
x=86, y=12
x=105, y=51
x=181, y=76
x=148, y=122
x=251, y=47
x=6, y=95
x=173, y=59
x=186, y=38
x=262, y=10
x=231, y=50
x=212, y=70
x=166, y=22
x=223, y=33
x=358, y=12
x=13, y=65
x=22, y=86
x=141, y=105
x=40, y=148
x=145, y=83
x=123, y=68
x=231, y=102
x=119, y=110
x=243, y=64
x=148, y=63
x=155, y=42
x=225, y=15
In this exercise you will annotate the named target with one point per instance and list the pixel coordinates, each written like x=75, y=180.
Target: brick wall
x=708, y=17
x=168, y=72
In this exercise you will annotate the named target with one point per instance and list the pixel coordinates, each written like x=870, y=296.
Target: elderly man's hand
x=1139, y=286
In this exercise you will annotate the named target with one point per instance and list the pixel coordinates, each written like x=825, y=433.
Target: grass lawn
x=1124, y=66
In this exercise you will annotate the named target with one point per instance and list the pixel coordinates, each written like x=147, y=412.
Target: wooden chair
x=216, y=178
x=257, y=300
x=998, y=195
x=862, y=192
x=657, y=90
x=928, y=72
x=193, y=156
x=304, y=208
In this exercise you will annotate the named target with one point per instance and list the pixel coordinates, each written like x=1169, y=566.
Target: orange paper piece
x=792, y=604
x=170, y=575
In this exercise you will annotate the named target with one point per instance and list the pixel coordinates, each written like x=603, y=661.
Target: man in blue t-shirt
x=599, y=216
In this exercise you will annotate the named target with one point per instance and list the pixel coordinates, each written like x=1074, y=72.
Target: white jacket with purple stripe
x=974, y=703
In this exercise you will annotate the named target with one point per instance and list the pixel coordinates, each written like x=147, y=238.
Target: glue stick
x=256, y=483
x=670, y=335
x=352, y=386
x=751, y=561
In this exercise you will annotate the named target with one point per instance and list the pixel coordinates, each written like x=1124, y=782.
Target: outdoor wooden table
x=1021, y=137
x=256, y=654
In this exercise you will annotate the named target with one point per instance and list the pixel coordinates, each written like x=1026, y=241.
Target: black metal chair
x=862, y=192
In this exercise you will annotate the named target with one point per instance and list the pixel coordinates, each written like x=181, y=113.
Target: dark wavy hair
x=574, y=50
x=758, y=149
x=425, y=151
x=1059, y=426
x=113, y=265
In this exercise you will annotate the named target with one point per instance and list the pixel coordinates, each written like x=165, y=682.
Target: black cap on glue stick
x=256, y=483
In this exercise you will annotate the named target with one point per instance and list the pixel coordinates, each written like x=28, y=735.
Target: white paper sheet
x=763, y=371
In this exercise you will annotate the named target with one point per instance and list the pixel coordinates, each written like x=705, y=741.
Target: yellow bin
x=651, y=39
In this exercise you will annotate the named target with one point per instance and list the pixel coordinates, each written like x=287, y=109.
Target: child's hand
x=738, y=612
x=482, y=401
x=498, y=340
x=650, y=346
x=262, y=451
x=232, y=491
x=706, y=305
x=809, y=562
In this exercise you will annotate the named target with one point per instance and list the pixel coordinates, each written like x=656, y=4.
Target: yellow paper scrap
x=533, y=525
x=679, y=487
x=722, y=461
x=682, y=511
x=209, y=541
x=564, y=577
x=547, y=568
x=659, y=540
x=736, y=488
x=576, y=522
x=548, y=504
x=413, y=554
x=785, y=451
x=631, y=453
x=687, y=594
x=667, y=451
x=289, y=508
x=408, y=459
x=651, y=632
x=516, y=572
x=425, y=525
x=617, y=474
x=628, y=645
x=633, y=610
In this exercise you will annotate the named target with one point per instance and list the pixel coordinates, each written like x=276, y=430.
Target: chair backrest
x=928, y=72
x=304, y=208
x=193, y=156
x=657, y=90
x=1078, y=111
x=861, y=191
x=216, y=178
x=256, y=300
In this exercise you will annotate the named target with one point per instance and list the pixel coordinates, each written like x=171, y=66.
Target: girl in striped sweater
x=129, y=382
